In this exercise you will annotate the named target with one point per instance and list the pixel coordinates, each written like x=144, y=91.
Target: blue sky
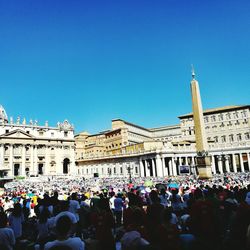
x=92, y=61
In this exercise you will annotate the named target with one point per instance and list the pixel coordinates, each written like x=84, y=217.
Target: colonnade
x=168, y=165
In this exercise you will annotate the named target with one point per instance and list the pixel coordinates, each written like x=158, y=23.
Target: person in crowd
x=103, y=222
x=63, y=229
x=167, y=234
x=65, y=212
x=16, y=220
x=43, y=226
x=7, y=237
x=118, y=204
x=154, y=216
x=74, y=205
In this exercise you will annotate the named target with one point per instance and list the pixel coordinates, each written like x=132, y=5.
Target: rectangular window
x=136, y=170
x=231, y=138
x=223, y=138
x=239, y=137
x=247, y=136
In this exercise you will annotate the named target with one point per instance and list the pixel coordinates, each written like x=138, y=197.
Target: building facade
x=167, y=150
x=29, y=149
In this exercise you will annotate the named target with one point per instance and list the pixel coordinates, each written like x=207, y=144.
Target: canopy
x=173, y=185
x=148, y=183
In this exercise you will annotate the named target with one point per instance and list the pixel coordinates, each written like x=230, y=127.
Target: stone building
x=29, y=149
x=167, y=150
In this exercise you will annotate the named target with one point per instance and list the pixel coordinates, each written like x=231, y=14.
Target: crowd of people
x=172, y=213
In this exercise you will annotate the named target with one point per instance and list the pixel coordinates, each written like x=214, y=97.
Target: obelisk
x=203, y=161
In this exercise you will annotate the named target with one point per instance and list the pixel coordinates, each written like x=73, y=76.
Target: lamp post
x=223, y=158
x=130, y=168
x=193, y=170
x=109, y=172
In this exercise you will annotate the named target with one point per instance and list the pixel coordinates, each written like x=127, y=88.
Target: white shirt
x=112, y=202
x=74, y=243
x=7, y=238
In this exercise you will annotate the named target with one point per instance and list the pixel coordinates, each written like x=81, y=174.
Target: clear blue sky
x=92, y=61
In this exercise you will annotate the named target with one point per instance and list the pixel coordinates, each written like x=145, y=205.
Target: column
x=35, y=161
x=174, y=167
x=186, y=160
x=159, y=166
x=2, y=155
x=153, y=167
x=220, y=164
x=59, y=163
x=146, y=167
x=31, y=160
x=11, y=160
x=227, y=163
x=248, y=161
x=242, y=164
x=165, y=170
x=179, y=160
x=234, y=163
x=213, y=165
x=23, y=161
x=47, y=165
x=170, y=167
x=141, y=168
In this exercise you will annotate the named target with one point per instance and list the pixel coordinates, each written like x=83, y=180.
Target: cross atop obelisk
x=203, y=161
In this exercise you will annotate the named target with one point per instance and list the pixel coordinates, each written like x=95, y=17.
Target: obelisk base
x=204, y=167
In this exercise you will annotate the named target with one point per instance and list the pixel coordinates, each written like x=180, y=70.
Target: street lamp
x=109, y=172
x=223, y=158
x=130, y=168
x=193, y=170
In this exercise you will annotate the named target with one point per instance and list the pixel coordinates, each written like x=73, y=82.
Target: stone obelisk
x=203, y=161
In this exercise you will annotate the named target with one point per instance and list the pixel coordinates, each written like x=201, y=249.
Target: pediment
x=17, y=134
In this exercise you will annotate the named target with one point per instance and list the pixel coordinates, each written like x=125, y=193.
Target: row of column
x=230, y=158
x=32, y=165
x=156, y=166
x=110, y=169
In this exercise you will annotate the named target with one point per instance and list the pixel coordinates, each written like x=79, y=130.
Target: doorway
x=66, y=166
x=16, y=169
x=40, y=168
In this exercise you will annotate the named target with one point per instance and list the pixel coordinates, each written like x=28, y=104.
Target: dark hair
x=64, y=205
x=17, y=210
x=61, y=247
x=63, y=225
x=74, y=196
x=167, y=215
x=3, y=219
x=154, y=196
x=44, y=215
x=104, y=204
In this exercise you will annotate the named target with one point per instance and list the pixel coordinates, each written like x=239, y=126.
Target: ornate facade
x=166, y=150
x=29, y=149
